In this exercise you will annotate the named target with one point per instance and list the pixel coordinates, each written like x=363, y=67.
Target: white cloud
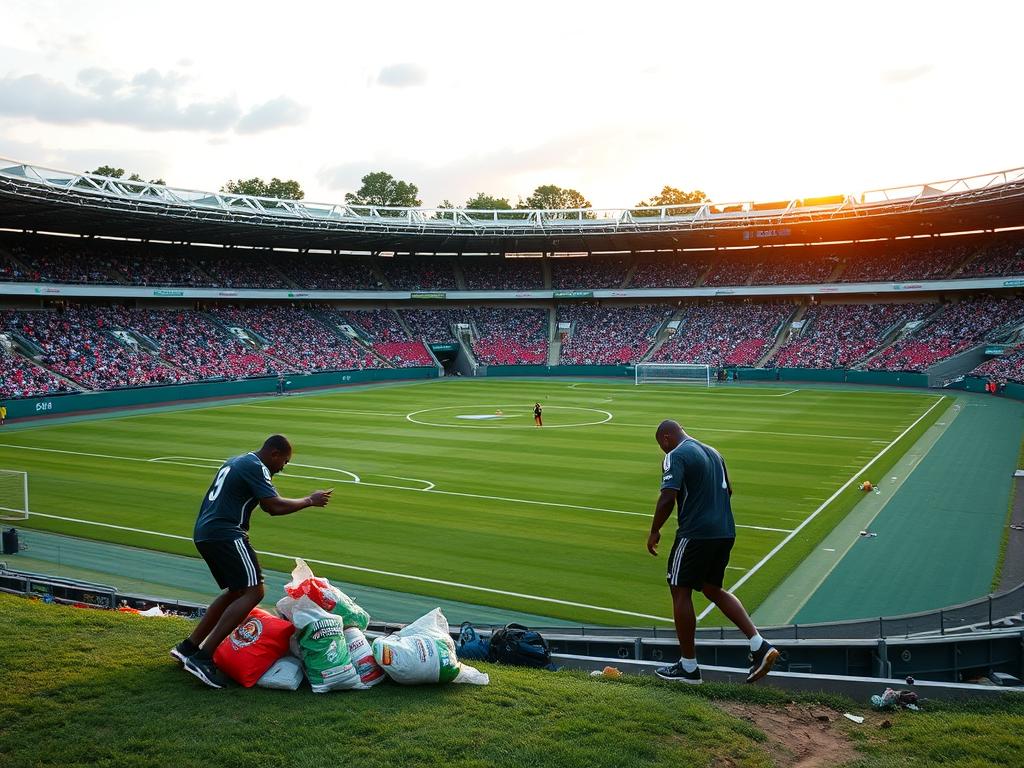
x=404, y=75
x=281, y=112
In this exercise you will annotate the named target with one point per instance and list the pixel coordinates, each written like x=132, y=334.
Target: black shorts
x=232, y=562
x=696, y=562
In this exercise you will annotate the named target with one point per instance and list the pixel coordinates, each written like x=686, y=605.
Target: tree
x=484, y=202
x=117, y=173
x=670, y=196
x=108, y=170
x=382, y=189
x=550, y=196
x=257, y=187
x=447, y=205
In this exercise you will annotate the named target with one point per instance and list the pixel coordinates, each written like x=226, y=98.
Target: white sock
x=688, y=664
x=755, y=643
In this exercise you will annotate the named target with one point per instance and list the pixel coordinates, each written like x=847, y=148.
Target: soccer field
x=439, y=494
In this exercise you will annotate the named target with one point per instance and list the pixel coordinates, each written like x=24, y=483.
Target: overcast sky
x=743, y=100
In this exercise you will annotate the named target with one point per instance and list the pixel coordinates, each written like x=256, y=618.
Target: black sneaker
x=205, y=670
x=677, y=674
x=762, y=661
x=181, y=651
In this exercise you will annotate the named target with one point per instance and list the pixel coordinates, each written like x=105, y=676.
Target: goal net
x=674, y=373
x=13, y=494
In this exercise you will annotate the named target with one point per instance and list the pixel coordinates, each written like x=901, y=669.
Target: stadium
x=858, y=359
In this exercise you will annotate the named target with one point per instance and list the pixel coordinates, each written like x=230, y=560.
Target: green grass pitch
x=487, y=510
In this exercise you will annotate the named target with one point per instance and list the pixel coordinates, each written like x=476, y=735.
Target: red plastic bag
x=253, y=648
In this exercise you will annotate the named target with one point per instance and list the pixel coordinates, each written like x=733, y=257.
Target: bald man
x=695, y=479
x=221, y=535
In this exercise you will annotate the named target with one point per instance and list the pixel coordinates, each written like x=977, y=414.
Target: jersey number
x=218, y=484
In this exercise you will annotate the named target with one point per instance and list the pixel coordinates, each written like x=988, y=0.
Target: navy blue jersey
x=236, y=490
x=697, y=472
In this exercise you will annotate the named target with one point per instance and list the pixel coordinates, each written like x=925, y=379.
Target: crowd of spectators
x=21, y=378
x=510, y=336
x=784, y=270
x=489, y=274
x=604, y=335
x=161, y=268
x=60, y=260
x=296, y=338
x=1007, y=367
x=608, y=271
x=724, y=333
x=668, y=271
x=433, y=325
x=95, y=261
x=78, y=344
x=875, y=263
x=198, y=347
x=384, y=332
x=839, y=335
x=243, y=269
x=953, y=329
x=1005, y=257
x=321, y=272
x=415, y=273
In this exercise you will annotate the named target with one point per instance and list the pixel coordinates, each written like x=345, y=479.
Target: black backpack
x=520, y=646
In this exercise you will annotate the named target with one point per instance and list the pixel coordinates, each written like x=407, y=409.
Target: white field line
x=210, y=462
x=317, y=410
x=743, y=579
x=362, y=569
x=653, y=427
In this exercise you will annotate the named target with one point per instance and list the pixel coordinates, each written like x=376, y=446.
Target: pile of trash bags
x=318, y=636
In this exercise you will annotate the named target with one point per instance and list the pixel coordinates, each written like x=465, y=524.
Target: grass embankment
x=81, y=687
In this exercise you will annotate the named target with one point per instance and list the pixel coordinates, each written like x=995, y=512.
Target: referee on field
x=222, y=537
x=694, y=478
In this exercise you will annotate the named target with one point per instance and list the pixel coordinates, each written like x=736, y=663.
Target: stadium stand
x=592, y=272
x=319, y=272
x=953, y=329
x=407, y=273
x=489, y=274
x=1005, y=257
x=384, y=332
x=510, y=336
x=839, y=335
x=876, y=263
x=21, y=378
x=668, y=271
x=250, y=269
x=601, y=335
x=724, y=333
x=297, y=339
x=78, y=344
x=1006, y=367
x=815, y=267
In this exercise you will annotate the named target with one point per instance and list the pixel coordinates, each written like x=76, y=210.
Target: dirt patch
x=799, y=735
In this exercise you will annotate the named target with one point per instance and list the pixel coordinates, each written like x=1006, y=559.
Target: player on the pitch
x=538, y=417
x=222, y=537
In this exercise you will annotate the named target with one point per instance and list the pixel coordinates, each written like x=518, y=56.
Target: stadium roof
x=36, y=198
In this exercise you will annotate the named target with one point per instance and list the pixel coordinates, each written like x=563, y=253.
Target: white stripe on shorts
x=677, y=561
x=250, y=569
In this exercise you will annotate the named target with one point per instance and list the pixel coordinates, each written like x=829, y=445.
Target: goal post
x=674, y=373
x=13, y=494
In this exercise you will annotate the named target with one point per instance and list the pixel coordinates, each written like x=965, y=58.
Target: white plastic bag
x=361, y=653
x=324, y=594
x=285, y=675
x=424, y=652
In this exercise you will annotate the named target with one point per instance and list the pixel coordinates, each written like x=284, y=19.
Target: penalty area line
x=377, y=571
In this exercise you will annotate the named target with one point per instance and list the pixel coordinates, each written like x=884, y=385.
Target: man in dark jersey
x=694, y=477
x=538, y=415
x=221, y=535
